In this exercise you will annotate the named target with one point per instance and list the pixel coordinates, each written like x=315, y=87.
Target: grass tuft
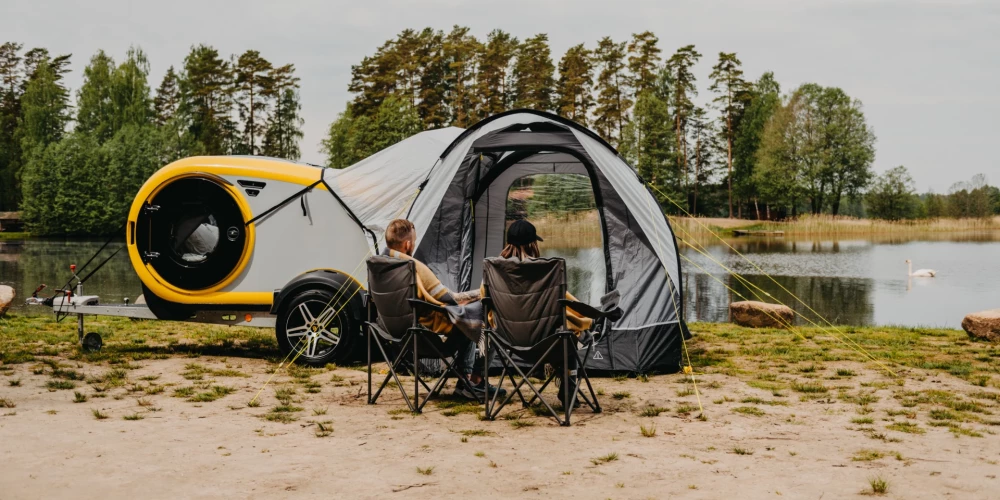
x=98, y=414
x=425, y=470
x=648, y=431
x=610, y=457
x=879, y=485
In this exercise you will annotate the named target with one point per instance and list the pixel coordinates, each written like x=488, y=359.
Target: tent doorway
x=563, y=209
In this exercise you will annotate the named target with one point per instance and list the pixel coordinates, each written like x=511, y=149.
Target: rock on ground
x=983, y=325
x=760, y=314
x=6, y=297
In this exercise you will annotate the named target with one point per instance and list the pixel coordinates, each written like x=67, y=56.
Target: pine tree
x=44, y=104
x=207, y=99
x=495, y=72
x=679, y=67
x=130, y=100
x=253, y=82
x=432, y=108
x=643, y=61
x=284, y=125
x=648, y=140
x=284, y=128
x=704, y=149
x=613, y=101
x=460, y=54
x=533, y=74
x=94, y=97
x=11, y=79
x=728, y=82
x=167, y=98
x=576, y=77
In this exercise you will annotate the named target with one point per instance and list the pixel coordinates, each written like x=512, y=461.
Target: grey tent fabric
x=459, y=221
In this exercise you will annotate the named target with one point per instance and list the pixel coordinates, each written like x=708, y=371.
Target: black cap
x=522, y=232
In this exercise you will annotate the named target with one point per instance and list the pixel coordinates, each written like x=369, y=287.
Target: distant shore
x=834, y=225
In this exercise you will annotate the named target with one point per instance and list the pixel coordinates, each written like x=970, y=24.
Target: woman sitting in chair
x=522, y=244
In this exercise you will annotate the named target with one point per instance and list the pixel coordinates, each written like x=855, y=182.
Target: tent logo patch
x=597, y=355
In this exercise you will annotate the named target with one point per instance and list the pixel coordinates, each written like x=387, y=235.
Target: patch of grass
x=743, y=451
x=685, y=409
x=867, y=455
x=284, y=418
x=144, y=402
x=683, y=393
x=958, y=430
x=652, y=411
x=520, y=424
x=453, y=407
x=98, y=414
x=749, y=410
x=477, y=432
x=79, y=397
x=759, y=401
x=843, y=372
x=6, y=403
x=907, y=427
x=14, y=383
x=939, y=414
x=426, y=471
x=863, y=421
x=610, y=457
x=621, y=395
x=323, y=429
x=183, y=392
x=216, y=392
x=134, y=416
x=286, y=408
x=319, y=411
x=810, y=387
x=648, y=431
x=55, y=385
x=879, y=485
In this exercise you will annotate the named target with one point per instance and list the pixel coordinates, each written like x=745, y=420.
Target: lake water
x=858, y=281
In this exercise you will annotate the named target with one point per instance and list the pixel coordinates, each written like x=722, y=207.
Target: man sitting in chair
x=465, y=312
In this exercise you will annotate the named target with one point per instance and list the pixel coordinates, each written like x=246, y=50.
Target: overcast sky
x=926, y=71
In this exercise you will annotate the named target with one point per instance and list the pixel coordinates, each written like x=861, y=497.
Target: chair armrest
x=592, y=312
x=421, y=305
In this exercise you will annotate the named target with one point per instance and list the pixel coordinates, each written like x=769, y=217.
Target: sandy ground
x=51, y=447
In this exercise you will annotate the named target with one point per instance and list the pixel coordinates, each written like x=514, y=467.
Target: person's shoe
x=479, y=391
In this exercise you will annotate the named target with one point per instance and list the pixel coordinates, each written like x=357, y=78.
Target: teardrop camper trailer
x=248, y=234
x=291, y=240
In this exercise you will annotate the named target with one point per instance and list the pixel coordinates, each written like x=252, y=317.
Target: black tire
x=300, y=319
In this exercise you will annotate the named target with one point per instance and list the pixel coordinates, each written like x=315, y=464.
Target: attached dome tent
x=458, y=207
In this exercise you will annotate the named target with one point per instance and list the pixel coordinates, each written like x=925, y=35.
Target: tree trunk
x=697, y=176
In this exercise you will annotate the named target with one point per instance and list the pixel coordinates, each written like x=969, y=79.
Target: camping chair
x=528, y=303
x=393, y=312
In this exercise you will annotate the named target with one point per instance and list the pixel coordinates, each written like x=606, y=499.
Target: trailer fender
x=341, y=283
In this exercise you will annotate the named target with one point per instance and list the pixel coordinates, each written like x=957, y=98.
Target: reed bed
x=837, y=225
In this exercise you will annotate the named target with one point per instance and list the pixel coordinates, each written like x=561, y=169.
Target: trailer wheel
x=92, y=342
x=314, y=327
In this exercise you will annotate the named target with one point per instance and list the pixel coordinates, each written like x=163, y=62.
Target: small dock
x=754, y=232
x=11, y=222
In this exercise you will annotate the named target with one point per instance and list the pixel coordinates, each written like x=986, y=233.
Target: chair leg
x=368, y=338
x=416, y=375
x=487, y=398
x=526, y=381
x=393, y=367
x=542, y=389
x=570, y=398
x=596, y=405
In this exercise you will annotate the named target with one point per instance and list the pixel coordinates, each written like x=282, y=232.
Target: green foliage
x=891, y=195
x=113, y=97
x=353, y=138
x=573, y=91
x=534, y=84
x=764, y=98
x=643, y=61
x=613, y=102
x=817, y=146
x=727, y=81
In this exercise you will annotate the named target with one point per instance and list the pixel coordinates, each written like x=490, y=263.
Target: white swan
x=919, y=273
